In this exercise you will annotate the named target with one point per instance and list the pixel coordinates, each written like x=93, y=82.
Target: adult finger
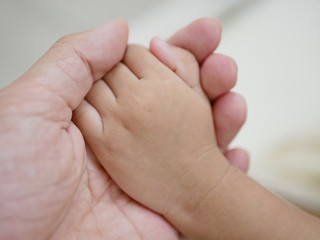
x=230, y=113
x=201, y=37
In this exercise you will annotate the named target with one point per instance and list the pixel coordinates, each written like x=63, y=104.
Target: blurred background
x=276, y=44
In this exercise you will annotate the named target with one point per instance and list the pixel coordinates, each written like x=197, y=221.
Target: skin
x=238, y=208
x=52, y=186
x=152, y=131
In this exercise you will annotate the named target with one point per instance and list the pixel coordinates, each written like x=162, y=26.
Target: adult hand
x=48, y=185
x=52, y=186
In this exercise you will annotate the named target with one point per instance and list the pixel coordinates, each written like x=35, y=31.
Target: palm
x=100, y=210
x=54, y=185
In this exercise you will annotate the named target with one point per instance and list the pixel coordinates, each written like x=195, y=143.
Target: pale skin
x=52, y=186
x=152, y=131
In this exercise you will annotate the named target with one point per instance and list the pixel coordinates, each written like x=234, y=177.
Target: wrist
x=239, y=208
x=200, y=186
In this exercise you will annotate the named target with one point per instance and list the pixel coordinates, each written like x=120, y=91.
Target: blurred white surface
x=276, y=45
x=29, y=28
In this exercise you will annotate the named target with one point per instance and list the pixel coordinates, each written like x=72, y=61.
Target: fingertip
x=238, y=158
x=234, y=107
x=120, y=23
x=156, y=44
x=161, y=50
x=210, y=23
x=201, y=37
x=218, y=75
x=231, y=105
x=230, y=113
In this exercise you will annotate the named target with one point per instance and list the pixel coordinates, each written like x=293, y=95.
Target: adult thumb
x=75, y=61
